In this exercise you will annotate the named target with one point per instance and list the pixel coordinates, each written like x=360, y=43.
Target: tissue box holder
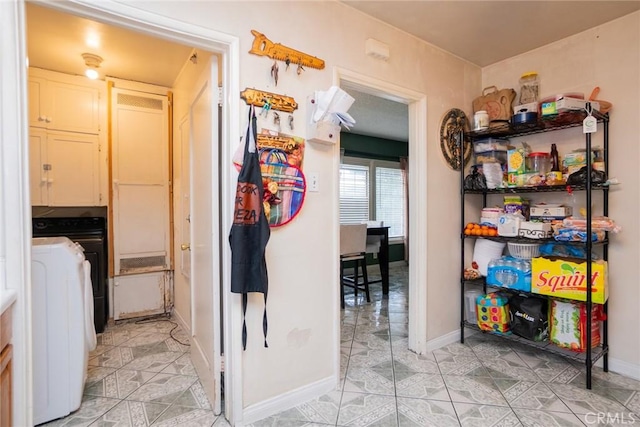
x=535, y=230
x=323, y=132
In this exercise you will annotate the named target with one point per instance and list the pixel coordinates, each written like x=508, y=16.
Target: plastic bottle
x=529, y=87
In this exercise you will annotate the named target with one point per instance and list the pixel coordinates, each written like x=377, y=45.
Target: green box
x=548, y=108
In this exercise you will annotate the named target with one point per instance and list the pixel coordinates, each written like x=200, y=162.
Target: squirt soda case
x=567, y=279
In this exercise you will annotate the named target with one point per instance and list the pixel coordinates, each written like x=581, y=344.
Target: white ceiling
x=481, y=32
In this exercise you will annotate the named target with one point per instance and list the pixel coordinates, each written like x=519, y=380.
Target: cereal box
x=567, y=279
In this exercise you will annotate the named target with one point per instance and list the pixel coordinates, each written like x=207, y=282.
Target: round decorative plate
x=453, y=122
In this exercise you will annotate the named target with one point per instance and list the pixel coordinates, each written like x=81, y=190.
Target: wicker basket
x=524, y=250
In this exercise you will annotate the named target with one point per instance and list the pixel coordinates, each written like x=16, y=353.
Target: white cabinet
x=64, y=168
x=67, y=103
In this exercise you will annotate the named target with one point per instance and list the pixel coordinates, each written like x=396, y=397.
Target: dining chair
x=353, y=244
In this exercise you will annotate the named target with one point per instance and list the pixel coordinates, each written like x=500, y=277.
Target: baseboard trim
x=446, y=339
x=621, y=367
x=287, y=400
x=618, y=366
x=178, y=318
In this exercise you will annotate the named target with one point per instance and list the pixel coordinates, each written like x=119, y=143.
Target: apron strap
x=264, y=321
x=244, y=321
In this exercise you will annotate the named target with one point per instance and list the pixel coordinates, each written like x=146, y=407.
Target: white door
x=205, y=234
x=141, y=202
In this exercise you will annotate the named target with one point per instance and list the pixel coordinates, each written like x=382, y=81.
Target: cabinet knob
x=41, y=118
x=48, y=119
x=185, y=247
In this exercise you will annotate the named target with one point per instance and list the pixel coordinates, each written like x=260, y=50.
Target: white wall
x=303, y=298
x=607, y=56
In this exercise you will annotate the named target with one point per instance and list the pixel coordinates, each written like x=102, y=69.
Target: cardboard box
x=548, y=108
x=572, y=104
x=566, y=279
x=557, y=211
x=515, y=160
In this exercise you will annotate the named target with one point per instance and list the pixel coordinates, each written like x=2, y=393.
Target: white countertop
x=7, y=297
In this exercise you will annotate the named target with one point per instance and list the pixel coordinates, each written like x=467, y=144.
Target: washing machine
x=62, y=325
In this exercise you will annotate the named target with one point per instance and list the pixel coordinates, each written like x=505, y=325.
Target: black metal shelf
x=596, y=352
x=543, y=124
x=537, y=189
x=482, y=281
x=529, y=240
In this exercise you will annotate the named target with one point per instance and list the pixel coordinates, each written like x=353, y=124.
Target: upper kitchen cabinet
x=64, y=102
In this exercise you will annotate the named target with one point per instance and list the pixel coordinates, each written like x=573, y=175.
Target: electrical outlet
x=313, y=182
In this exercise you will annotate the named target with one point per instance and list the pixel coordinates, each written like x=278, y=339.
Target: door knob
x=185, y=246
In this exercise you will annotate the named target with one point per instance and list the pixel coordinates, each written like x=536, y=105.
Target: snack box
x=561, y=278
x=555, y=211
x=515, y=160
x=566, y=104
x=515, y=204
x=535, y=230
x=531, y=179
x=570, y=104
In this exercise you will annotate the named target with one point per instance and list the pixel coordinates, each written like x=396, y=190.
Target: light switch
x=312, y=182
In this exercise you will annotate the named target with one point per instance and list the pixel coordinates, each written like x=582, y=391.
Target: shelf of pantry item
x=544, y=124
x=596, y=352
x=482, y=281
x=538, y=189
x=529, y=240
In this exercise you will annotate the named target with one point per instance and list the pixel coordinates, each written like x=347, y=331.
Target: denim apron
x=250, y=231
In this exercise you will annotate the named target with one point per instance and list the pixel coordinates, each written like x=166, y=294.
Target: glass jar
x=529, y=87
x=481, y=120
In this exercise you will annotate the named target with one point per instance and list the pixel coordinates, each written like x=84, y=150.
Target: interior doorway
x=417, y=104
x=227, y=48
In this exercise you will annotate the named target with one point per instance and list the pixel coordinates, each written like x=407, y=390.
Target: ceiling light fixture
x=93, y=63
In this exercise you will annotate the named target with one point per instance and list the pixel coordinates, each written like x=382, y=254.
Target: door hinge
x=220, y=91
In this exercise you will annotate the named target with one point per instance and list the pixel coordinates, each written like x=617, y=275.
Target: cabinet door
x=37, y=98
x=73, y=108
x=73, y=178
x=6, y=391
x=38, y=166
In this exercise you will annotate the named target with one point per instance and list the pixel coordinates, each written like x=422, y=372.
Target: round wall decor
x=453, y=122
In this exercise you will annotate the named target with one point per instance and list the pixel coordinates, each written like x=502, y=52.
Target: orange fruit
x=467, y=231
x=476, y=226
x=493, y=232
x=469, y=225
x=484, y=227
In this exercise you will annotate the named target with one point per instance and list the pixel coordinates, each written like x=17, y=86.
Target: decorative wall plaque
x=453, y=123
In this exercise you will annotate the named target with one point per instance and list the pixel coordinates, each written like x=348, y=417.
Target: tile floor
x=139, y=376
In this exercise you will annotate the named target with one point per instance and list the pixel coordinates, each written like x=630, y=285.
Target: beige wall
x=303, y=305
x=607, y=56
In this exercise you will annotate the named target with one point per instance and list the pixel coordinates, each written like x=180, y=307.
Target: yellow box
x=515, y=160
x=566, y=279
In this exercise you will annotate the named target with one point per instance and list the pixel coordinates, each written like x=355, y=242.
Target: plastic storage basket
x=524, y=250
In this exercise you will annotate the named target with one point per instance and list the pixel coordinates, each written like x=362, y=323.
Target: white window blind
x=354, y=194
x=390, y=199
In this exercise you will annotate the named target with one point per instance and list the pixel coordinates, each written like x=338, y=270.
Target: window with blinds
x=354, y=194
x=390, y=200
x=372, y=190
